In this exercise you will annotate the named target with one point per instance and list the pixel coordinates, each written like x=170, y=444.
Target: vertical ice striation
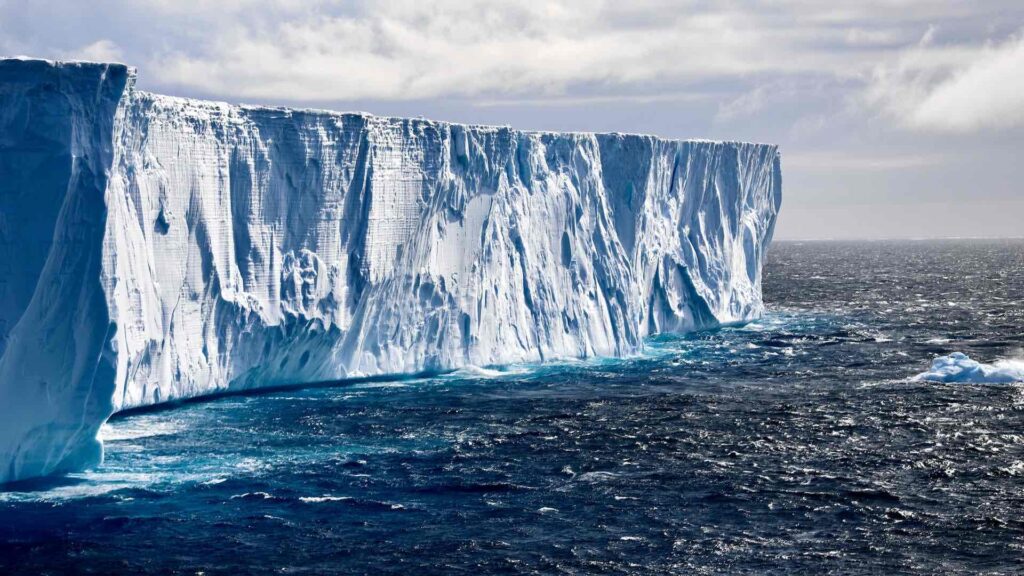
x=56, y=365
x=156, y=248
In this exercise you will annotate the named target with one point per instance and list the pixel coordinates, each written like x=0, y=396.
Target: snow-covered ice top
x=169, y=248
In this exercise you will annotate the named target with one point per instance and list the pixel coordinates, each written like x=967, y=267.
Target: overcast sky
x=896, y=118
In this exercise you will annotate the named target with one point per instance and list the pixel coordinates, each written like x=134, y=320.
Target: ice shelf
x=156, y=248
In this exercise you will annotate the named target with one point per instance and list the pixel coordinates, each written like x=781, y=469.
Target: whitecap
x=382, y=384
x=318, y=499
x=597, y=476
x=263, y=495
x=85, y=485
x=64, y=493
x=482, y=372
x=136, y=428
x=958, y=367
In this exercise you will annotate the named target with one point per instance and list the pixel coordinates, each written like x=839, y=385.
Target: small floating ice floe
x=958, y=367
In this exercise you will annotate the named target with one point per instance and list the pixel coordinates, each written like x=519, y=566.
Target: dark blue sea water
x=793, y=445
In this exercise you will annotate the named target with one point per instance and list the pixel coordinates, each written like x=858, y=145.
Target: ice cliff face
x=156, y=248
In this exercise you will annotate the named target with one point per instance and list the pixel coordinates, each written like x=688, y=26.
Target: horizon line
x=897, y=238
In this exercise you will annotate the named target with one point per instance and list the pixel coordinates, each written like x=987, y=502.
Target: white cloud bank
x=408, y=49
x=749, y=54
x=98, y=51
x=959, y=88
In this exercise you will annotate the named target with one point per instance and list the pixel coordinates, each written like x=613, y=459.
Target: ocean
x=796, y=444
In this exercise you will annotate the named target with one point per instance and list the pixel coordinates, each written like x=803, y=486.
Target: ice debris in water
x=959, y=367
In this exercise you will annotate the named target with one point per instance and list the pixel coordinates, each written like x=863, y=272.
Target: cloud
x=323, y=50
x=745, y=56
x=598, y=100
x=99, y=51
x=408, y=50
x=746, y=104
x=989, y=93
x=832, y=162
x=953, y=88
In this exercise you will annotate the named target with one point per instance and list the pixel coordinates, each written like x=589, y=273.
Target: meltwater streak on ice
x=175, y=248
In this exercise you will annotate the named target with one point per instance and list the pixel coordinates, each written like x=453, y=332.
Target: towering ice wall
x=157, y=248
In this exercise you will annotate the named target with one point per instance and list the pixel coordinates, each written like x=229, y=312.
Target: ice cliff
x=156, y=248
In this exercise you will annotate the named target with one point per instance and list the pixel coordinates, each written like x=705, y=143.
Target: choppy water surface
x=795, y=444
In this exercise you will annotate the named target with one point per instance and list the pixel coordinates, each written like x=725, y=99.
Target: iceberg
x=155, y=248
x=960, y=368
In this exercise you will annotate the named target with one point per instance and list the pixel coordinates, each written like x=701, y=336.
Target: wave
x=484, y=372
x=319, y=499
x=137, y=428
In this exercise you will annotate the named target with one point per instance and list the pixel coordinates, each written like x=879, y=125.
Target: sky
x=895, y=118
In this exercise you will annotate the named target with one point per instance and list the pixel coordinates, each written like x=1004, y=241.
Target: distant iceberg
x=958, y=367
x=156, y=248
